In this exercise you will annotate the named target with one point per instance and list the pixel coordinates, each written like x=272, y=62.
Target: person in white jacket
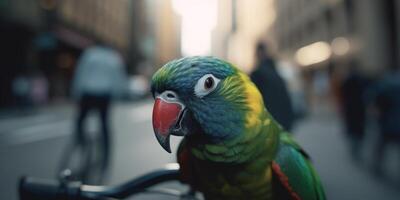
x=99, y=78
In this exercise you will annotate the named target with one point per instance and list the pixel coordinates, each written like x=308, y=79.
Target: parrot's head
x=205, y=97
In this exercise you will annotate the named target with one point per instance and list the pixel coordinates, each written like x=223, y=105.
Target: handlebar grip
x=45, y=189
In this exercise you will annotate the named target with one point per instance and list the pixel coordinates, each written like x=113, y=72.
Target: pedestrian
x=98, y=79
x=273, y=88
x=353, y=109
x=386, y=97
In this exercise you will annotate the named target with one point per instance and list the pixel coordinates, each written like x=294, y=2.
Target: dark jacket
x=386, y=96
x=353, y=102
x=274, y=92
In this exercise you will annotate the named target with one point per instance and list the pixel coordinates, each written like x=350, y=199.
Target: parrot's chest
x=244, y=181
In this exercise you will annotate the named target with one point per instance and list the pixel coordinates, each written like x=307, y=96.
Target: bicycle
x=45, y=189
x=87, y=165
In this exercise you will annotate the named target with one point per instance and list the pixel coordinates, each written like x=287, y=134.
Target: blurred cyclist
x=98, y=79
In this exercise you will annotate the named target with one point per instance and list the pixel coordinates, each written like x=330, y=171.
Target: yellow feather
x=255, y=103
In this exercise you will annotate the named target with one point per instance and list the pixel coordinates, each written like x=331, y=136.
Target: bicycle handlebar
x=35, y=189
x=44, y=189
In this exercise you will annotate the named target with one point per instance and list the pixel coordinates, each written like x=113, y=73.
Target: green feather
x=295, y=165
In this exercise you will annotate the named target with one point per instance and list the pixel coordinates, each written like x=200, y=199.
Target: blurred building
x=108, y=21
x=329, y=38
x=165, y=28
x=240, y=25
x=16, y=32
x=338, y=31
x=45, y=38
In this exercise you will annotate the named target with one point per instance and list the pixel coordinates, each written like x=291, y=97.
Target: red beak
x=165, y=118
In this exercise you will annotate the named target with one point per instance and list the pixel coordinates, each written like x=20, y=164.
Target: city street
x=320, y=62
x=32, y=145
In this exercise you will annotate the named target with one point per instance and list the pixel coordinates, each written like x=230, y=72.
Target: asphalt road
x=32, y=145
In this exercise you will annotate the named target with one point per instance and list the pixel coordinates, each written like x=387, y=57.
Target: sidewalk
x=343, y=178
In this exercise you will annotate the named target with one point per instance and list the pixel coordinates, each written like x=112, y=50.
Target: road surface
x=33, y=144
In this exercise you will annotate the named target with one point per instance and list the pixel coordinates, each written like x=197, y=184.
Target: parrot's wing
x=296, y=177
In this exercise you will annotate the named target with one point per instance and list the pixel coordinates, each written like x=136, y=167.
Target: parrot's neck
x=246, y=147
x=257, y=134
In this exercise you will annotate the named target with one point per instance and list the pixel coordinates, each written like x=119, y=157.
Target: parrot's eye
x=208, y=83
x=205, y=85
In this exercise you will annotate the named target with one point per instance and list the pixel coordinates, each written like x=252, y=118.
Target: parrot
x=232, y=148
